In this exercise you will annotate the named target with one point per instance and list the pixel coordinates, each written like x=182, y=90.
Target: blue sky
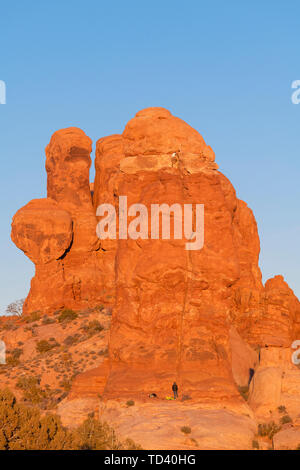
x=224, y=67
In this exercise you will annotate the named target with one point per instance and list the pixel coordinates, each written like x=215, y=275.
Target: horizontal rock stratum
x=197, y=317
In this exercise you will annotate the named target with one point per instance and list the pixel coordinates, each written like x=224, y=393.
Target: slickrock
x=287, y=439
x=163, y=428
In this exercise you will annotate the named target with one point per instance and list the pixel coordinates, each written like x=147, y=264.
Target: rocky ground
x=60, y=357
x=52, y=351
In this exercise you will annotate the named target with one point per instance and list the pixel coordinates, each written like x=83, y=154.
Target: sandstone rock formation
x=58, y=233
x=197, y=317
x=276, y=383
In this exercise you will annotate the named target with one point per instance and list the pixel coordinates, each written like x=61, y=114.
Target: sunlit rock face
x=174, y=309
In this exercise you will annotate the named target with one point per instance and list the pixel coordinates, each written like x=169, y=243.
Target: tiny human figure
x=175, y=390
x=251, y=373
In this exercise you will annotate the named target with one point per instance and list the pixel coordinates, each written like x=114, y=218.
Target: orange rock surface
x=173, y=309
x=58, y=233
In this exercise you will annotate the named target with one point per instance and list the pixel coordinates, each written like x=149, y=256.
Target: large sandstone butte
x=197, y=317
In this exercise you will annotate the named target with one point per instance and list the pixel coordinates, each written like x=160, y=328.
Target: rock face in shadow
x=173, y=308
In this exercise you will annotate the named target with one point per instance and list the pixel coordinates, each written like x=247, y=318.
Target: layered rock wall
x=178, y=314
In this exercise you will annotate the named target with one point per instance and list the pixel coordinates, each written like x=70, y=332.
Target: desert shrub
x=13, y=357
x=66, y=385
x=268, y=429
x=10, y=326
x=23, y=428
x=32, y=391
x=47, y=320
x=103, y=352
x=129, y=444
x=16, y=352
x=244, y=391
x=66, y=358
x=286, y=419
x=33, y=316
x=67, y=315
x=44, y=346
x=94, y=435
x=194, y=441
x=70, y=340
x=255, y=444
x=130, y=403
x=12, y=361
x=93, y=327
x=281, y=409
x=186, y=430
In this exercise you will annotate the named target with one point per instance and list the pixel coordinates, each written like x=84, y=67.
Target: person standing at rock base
x=175, y=390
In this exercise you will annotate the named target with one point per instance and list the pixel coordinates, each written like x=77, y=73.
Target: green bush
x=130, y=403
x=67, y=315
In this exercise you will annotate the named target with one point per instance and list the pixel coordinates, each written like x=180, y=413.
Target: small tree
x=15, y=308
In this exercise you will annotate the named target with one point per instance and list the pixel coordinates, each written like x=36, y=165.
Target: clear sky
x=224, y=67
